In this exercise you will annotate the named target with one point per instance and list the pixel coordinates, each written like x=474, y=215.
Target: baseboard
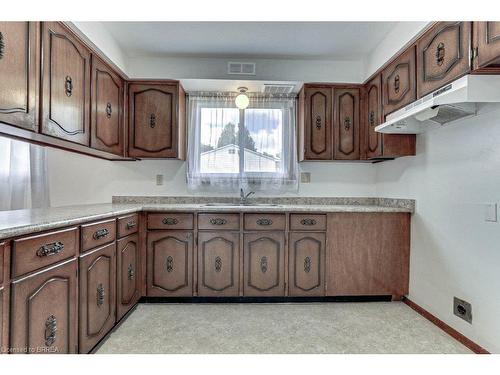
x=264, y=299
x=445, y=327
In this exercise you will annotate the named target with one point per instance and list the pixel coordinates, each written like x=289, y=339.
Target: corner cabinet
x=66, y=85
x=156, y=120
x=19, y=73
x=487, y=45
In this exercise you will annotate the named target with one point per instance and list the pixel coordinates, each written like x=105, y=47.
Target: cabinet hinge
x=474, y=53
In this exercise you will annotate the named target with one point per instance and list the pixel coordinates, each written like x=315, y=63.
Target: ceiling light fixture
x=241, y=99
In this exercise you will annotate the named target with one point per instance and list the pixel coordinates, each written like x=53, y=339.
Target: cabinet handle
x=307, y=264
x=170, y=221
x=440, y=52
x=100, y=295
x=396, y=83
x=109, y=110
x=371, y=118
x=50, y=330
x=308, y=222
x=263, y=264
x=2, y=46
x=218, y=221
x=152, y=120
x=347, y=123
x=68, y=83
x=318, y=122
x=218, y=264
x=50, y=249
x=101, y=233
x=264, y=222
x=130, y=271
x=131, y=224
x=170, y=264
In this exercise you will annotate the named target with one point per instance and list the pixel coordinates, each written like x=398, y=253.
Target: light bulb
x=242, y=100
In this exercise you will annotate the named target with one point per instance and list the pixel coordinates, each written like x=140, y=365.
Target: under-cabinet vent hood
x=452, y=102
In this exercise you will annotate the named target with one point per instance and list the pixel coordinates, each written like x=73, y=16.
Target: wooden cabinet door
x=3, y=343
x=97, y=295
x=19, y=73
x=264, y=264
x=128, y=274
x=66, y=85
x=368, y=254
x=318, y=124
x=399, y=82
x=44, y=315
x=107, y=109
x=487, y=42
x=346, y=124
x=170, y=264
x=153, y=122
x=306, y=273
x=443, y=55
x=373, y=117
x=218, y=263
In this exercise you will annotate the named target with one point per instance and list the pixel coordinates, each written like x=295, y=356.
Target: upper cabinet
x=156, y=120
x=19, y=73
x=443, y=55
x=107, y=108
x=66, y=85
x=346, y=124
x=487, y=45
x=399, y=82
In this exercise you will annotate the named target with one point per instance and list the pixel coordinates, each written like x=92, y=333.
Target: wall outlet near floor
x=490, y=212
x=159, y=179
x=462, y=309
x=305, y=177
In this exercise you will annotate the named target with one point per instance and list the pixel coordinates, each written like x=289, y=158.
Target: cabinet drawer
x=264, y=222
x=128, y=225
x=170, y=221
x=97, y=234
x=217, y=221
x=35, y=252
x=307, y=222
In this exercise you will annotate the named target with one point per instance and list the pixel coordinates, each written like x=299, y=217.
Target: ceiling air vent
x=241, y=68
x=270, y=88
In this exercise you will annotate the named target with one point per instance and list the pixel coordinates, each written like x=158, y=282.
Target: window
x=252, y=148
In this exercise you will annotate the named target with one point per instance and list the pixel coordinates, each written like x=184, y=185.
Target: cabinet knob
x=50, y=249
x=2, y=46
x=100, y=295
x=440, y=52
x=170, y=221
x=50, y=330
x=152, y=120
x=68, y=84
x=218, y=221
x=109, y=110
x=101, y=233
x=308, y=222
x=264, y=222
x=131, y=224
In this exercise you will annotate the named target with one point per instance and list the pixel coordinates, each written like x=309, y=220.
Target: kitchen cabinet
x=107, y=108
x=4, y=300
x=156, y=120
x=264, y=264
x=368, y=254
x=97, y=295
x=379, y=145
x=170, y=263
x=306, y=263
x=346, y=124
x=399, y=82
x=66, y=85
x=128, y=274
x=44, y=311
x=218, y=263
x=19, y=73
x=487, y=45
x=443, y=55
x=3, y=341
x=316, y=123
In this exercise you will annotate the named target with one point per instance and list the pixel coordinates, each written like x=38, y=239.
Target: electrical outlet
x=305, y=177
x=159, y=179
x=462, y=309
x=490, y=212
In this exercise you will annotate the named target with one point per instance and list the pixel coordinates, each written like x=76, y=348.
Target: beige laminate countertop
x=20, y=222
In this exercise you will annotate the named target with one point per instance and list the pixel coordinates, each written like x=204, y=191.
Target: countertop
x=20, y=222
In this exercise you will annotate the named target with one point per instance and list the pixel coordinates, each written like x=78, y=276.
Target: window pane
x=263, y=140
x=219, y=140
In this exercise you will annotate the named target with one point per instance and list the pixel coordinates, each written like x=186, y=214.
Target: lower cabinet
x=306, y=273
x=170, y=264
x=3, y=339
x=218, y=263
x=264, y=264
x=44, y=311
x=97, y=295
x=128, y=274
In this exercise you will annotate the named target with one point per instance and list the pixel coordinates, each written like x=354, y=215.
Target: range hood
x=452, y=102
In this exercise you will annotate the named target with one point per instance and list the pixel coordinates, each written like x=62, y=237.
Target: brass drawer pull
x=170, y=264
x=218, y=221
x=307, y=264
x=131, y=273
x=170, y=221
x=101, y=233
x=50, y=249
x=264, y=222
x=152, y=120
x=131, y=224
x=68, y=84
x=218, y=264
x=50, y=330
x=347, y=124
x=109, y=110
x=371, y=118
x=308, y=222
x=396, y=83
x=440, y=52
x=100, y=295
x=318, y=122
x=263, y=264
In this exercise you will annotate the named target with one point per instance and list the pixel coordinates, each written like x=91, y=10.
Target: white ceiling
x=291, y=40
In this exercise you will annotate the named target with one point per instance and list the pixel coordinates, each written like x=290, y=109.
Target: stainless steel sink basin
x=241, y=204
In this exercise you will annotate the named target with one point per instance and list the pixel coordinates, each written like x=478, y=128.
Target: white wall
x=454, y=252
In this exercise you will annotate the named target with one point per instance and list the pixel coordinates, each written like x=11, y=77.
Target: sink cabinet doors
x=128, y=274
x=19, y=73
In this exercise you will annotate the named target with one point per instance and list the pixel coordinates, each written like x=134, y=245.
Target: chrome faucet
x=244, y=197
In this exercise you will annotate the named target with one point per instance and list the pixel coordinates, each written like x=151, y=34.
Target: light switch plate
x=159, y=179
x=490, y=212
x=305, y=177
